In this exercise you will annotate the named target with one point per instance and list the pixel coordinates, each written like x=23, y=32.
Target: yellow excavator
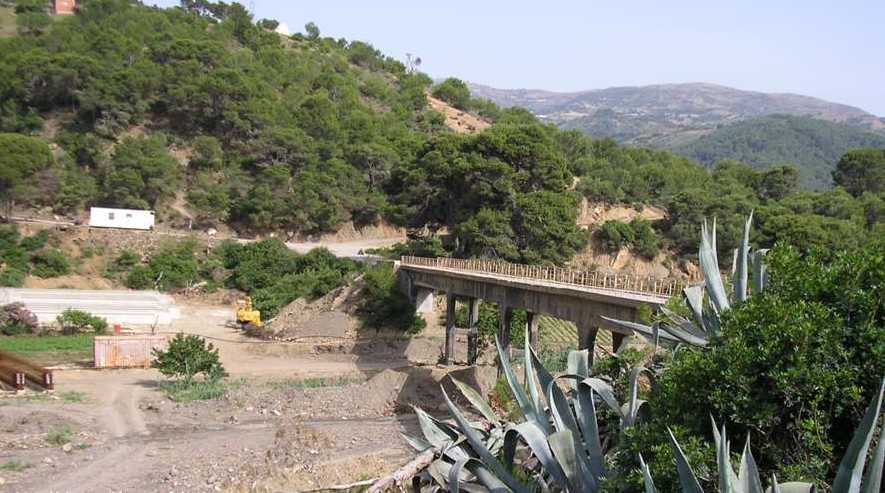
x=246, y=316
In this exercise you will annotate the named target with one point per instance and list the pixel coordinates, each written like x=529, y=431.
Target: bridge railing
x=595, y=279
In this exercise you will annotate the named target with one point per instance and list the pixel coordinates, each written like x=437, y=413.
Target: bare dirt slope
x=459, y=121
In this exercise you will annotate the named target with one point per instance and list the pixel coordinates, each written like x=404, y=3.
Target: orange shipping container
x=129, y=351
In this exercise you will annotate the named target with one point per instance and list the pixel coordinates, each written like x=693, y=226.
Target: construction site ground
x=297, y=416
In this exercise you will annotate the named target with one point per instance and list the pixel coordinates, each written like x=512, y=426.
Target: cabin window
x=111, y=216
x=128, y=216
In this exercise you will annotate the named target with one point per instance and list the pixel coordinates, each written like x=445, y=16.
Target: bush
x=637, y=234
x=16, y=319
x=453, y=91
x=188, y=356
x=384, y=305
x=615, y=235
x=12, y=277
x=76, y=321
x=124, y=262
x=35, y=242
x=140, y=277
x=795, y=365
x=50, y=263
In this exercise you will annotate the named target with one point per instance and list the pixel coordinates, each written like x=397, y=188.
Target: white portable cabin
x=101, y=217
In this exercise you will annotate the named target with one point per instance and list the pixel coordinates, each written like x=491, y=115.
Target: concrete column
x=531, y=328
x=617, y=340
x=449, y=351
x=472, y=333
x=587, y=339
x=424, y=300
x=505, y=316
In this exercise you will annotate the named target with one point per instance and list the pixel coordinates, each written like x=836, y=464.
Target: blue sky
x=833, y=50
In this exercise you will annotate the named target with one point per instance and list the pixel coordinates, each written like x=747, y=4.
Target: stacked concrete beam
x=128, y=308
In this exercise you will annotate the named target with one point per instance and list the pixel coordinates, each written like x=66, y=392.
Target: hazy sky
x=825, y=48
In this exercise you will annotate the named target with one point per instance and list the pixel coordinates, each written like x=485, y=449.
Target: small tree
x=75, y=321
x=188, y=356
x=453, y=91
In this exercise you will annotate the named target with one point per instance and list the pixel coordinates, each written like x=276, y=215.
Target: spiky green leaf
x=849, y=475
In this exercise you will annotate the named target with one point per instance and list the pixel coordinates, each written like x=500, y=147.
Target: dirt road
x=271, y=432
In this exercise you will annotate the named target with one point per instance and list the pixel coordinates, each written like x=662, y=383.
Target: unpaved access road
x=115, y=430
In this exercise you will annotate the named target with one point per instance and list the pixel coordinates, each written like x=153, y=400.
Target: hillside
x=668, y=115
x=813, y=145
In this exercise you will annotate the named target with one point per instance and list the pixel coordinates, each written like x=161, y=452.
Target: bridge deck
x=581, y=291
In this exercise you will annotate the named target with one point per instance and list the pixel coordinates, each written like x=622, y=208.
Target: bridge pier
x=472, y=332
x=531, y=328
x=451, y=301
x=505, y=317
x=424, y=300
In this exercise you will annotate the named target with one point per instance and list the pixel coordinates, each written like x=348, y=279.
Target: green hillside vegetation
x=813, y=146
x=303, y=134
x=7, y=21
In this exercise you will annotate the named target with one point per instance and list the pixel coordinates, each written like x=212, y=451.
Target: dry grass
x=7, y=22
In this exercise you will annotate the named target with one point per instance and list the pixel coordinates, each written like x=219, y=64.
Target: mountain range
x=709, y=122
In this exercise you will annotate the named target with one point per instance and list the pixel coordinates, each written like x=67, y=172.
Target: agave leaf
x=562, y=444
x=796, y=487
x=677, y=320
x=416, y=443
x=848, y=477
x=710, y=267
x=477, y=401
x=454, y=476
x=645, y=330
x=564, y=420
x=536, y=439
x=437, y=433
x=741, y=256
x=534, y=395
x=486, y=477
x=646, y=475
x=694, y=298
x=516, y=388
x=872, y=483
x=476, y=443
x=544, y=379
x=605, y=391
x=633, y=404
x=578, y=364
x=759, y=270
x=687, y=477
x=727, y=476
x=748, y=474
x=585, y=408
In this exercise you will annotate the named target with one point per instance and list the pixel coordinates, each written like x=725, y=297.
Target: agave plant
x=557, y=447
x=707, y=310
x=849, y=478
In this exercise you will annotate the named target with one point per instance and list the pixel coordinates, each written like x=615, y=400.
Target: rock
x=276, y=413
x=47, y=460
x=2, y=481
x=67, y=448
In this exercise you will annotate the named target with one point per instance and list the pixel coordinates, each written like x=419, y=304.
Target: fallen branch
x=404, y=473
x=343, y=487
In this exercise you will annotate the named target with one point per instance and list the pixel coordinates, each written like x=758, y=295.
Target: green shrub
x=76, y=321
x=35, y=242
x=194, y=390
x=60, y=435
x=140, y=277
x=384, y=305
x=50, y=263
x=795, y=364
x=187, y=356
x=12, y=277
x=615, y=235
x=637, y=234
x=124, y=262
x=453, y=91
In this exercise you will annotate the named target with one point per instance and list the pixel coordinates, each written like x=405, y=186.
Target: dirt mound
x=332, y=316
x=595, y=213
x=459, y=121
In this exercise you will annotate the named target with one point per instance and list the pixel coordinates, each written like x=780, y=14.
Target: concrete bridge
x=577, y=296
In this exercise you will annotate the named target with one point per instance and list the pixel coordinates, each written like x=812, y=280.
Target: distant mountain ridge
x=669, y=115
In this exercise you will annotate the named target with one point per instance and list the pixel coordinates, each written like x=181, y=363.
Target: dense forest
x=134, y=106
x=813, y=145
